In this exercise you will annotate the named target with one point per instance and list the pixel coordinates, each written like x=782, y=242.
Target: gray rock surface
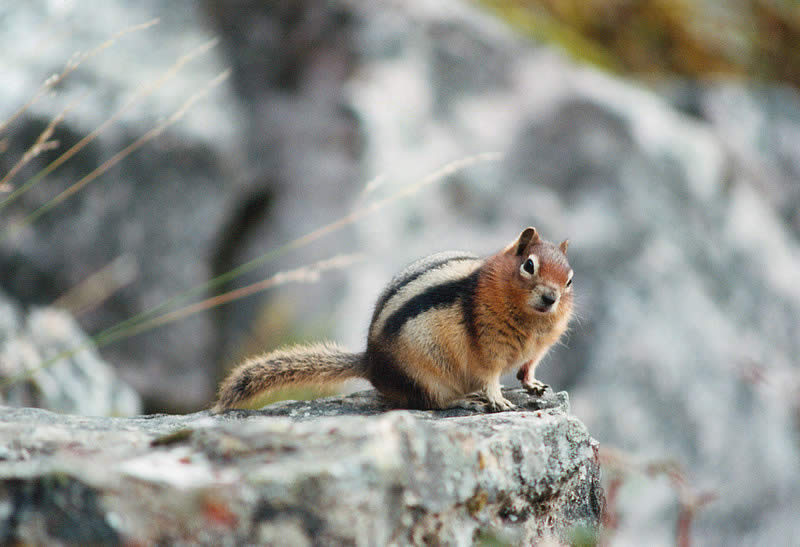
x=337, y=471
x=81, y=383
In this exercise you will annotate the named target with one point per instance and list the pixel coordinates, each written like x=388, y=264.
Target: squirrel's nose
x=548, y=300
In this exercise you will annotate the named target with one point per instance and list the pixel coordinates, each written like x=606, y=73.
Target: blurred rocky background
x=662, y=138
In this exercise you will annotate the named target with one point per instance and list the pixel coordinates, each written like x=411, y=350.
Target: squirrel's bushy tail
x=322, y=363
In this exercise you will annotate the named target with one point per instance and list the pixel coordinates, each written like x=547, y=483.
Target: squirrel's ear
x=564, y=246
x=529, y=236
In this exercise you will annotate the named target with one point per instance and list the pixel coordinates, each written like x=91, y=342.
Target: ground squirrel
x=446, y=327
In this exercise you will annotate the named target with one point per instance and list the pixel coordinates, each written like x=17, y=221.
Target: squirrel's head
x=541, y=271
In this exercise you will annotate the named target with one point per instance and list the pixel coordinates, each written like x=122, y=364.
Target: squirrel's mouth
x=544, y=303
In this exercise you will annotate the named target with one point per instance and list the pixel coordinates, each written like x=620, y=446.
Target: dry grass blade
x=371, y=186
x=42, y=144
x=119, y=156
x=99, y=286
x=73, y=64
x=439, y=174
x=304, y=274
x=138, y=95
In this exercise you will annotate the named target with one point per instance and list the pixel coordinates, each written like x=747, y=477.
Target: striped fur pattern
x=315, y=364
x=448, y=325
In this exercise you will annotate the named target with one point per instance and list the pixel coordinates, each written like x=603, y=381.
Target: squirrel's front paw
x=499, y=405
x=482, y=403
x=495, y=400
x=535, y=387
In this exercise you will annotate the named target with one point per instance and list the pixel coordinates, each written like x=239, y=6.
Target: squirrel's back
x=417, y=338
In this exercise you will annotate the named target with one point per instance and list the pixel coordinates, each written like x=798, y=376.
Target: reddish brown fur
x=504, y=294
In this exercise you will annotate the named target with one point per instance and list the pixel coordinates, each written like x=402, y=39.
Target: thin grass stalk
x=71, y=66
x=138, y=95
x=116, y=158
x=304, y=274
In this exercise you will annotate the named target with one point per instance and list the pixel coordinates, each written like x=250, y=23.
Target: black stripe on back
x=414, y=271
x=437, y=296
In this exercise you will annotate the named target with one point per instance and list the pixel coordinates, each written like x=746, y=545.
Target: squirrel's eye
x=528, y=266
x=569, y=281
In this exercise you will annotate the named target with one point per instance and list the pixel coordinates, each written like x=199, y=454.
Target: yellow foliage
x=749, y=38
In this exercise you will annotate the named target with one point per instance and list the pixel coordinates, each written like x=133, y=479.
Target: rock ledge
x=341, y=470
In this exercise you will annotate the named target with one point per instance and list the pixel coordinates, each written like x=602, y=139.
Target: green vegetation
x=741, y=38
